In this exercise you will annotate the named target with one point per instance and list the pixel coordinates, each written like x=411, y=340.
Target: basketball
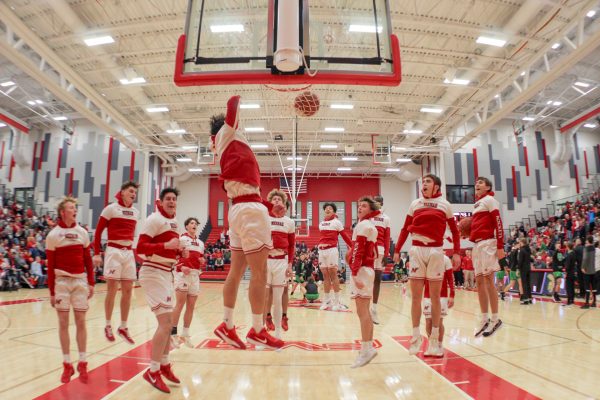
x=306, y=104
x=464, y=227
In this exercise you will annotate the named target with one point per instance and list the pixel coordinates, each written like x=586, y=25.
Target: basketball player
x=249, y=227
x=187, y=282
x=446, y=301
x=362, y=259
x=330, y=228
x=279, y=263
x=71, y=282
x=120, y=219
x=426, y=220
x=159, y=246
x=382, y=223
x=488, y=235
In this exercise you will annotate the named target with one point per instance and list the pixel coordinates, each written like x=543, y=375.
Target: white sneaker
x=483, y=327
x=324, y=306
x=415, y=345
x=374, y=316
x=187, y=340
x=175, y=343
x=433, y=349
x=341, y=307
x=364, y=358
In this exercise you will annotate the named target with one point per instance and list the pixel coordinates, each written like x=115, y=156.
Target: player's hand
x=450, y=302
x=358, y=283
x=172, y=244
x=278, y=210
x=90, y=292
x=97, y=260
x=185, y=270
x=289, y=273
x=53, y=301
x=202, y=262
x=456, y=260
x=396, y=258
x=501, y=254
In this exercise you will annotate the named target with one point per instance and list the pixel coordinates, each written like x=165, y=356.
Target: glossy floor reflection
x=542, y=351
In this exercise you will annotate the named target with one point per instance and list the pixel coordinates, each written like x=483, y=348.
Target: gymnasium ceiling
x=551, y=45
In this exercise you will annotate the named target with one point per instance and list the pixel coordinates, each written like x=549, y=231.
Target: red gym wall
x=319, y=189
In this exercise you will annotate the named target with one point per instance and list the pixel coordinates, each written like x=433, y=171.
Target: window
x=220, y=213
x=354, y=212
x=309, y=212
x=460, y=194
x=299, y=209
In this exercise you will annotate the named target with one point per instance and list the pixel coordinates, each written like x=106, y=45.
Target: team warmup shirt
x=382, y=223
x=426, y=221
x=195, y=247
x=120, y=221
x=364, y=244
x=329, y=229
x=283, y=233
x=486, y=221
x=68, y=253
x=158, y=229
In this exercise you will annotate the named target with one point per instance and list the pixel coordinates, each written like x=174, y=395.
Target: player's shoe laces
x=167, y=372
x=415, y=345
x=482, y=328
x=284, y=323
x=155, y=380
x=229, y=336
x=264, y=339
x=364, y=357
x=493, y=327
x=124, y=333
x=109, y=333
x=374, y=316
x=269, y=323
x=68, y=372
x=82, y=371
x=433, y=348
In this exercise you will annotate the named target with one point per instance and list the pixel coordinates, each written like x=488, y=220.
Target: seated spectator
x=37, y=272
x=219, y=264
x=310, y=290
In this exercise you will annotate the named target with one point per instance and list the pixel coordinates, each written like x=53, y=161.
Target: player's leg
x=180, y=302
x=436, y=314
x=428, y=325
x=188, y=315
x=126, y=292
x=277, y=309
x=363, y=299
x=81, y=337
x=285, y=303
x=416, y=290
x=63, y=335
x=112, y=286
x=326, y=288
x=335, y=284
x=376, y=286
x=232, y=283
x=267, y=316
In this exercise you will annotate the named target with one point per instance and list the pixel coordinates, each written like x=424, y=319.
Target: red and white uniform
x=487, y=233
x=363, y=256
x=70, y=269
x=426, y=221
x=447, y=283
x=249, y=228
x=329, y=229
x=120, y=222
x=283, y=232
x=382, y=223
x=155, y=275
x=190, y=283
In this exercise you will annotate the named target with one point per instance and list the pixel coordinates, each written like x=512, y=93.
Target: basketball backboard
x=382, y=149
x=342, y=42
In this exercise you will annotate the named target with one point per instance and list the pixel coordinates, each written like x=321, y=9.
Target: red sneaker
x=68, y=372
x=82, y=370
x=167, y=372
x=284, y=322
x=229, y=336
x=109, y=333
x=269, y=323
x=124, y=333
x=264, y=339
x=155, y=380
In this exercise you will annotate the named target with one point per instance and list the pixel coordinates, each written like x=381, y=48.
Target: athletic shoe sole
x=226, y=339
x=494, y=329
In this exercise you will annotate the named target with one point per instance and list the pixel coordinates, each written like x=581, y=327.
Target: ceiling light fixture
x=431, y=110
x=403, y=159
x=591, y=13
x=132, y=81
x=172, y=131
x=246, y=106
x=2, y=125
x=195, y=169
x=259, y=146
x=334, y=129
x=61, y=118
x=329, y=146
x=96, y=41
x=456, y=81
x=292, y=158
x=413, y=131
x=392, y=170
x=254, y=129
x=349, y=158
x=342, y=106
x=157, y=109
x=31, y=102
x=184, y=159
x=491, y=41
x=7, y=84
x=582, y=84
x=189, y=147
x=344, y=169
x=528, y=119
x=364, y=28
x=555, y=46
x=592, y=126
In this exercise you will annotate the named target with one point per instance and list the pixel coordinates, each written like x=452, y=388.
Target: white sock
x=228, y=317
x=185, y=332
x=257, y=322
x=164, y=360
x=123, y=325
x=484, y=318
x=416, y=332
x=154, y=366
x=435, y=332
x=67, y=358
x=336, y=296
x=495, y=317
x=82, y=357
x=108, y=322
x=374, y=306
x=364, y=346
